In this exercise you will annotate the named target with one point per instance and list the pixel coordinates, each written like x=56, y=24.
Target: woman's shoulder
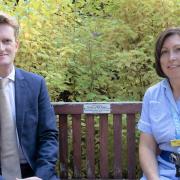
x=157, y=89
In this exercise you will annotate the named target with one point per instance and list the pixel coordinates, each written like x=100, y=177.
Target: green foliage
x=92, y=50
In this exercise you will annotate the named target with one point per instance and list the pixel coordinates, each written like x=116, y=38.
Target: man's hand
x=30, y=178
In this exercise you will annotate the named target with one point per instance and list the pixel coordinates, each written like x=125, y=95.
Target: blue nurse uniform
x=156, y=119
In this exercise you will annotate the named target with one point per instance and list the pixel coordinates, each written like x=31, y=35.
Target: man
x=35, y=125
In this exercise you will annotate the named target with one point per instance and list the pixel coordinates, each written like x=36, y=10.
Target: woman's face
x=170, y=57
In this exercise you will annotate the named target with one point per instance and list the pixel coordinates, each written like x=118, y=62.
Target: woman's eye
x=164, y=52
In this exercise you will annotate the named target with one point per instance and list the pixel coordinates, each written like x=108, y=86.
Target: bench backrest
x=84, y=132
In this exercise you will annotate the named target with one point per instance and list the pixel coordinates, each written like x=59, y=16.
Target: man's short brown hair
x=11, y=21
x=159, y=44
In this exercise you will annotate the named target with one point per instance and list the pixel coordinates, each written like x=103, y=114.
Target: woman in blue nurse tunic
x=160, y=117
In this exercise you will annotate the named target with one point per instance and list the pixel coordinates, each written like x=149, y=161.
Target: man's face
x=8, y=45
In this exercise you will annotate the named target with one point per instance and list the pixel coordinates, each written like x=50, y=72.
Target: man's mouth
x=3, y=55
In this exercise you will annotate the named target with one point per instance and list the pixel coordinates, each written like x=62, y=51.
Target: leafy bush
x=92, y=50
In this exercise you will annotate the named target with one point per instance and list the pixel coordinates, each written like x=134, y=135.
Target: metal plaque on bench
x=96, y=108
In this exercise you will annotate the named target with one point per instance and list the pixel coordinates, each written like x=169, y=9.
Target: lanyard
x=176, y=119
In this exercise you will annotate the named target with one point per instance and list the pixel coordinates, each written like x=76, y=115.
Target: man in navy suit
x=31, y=110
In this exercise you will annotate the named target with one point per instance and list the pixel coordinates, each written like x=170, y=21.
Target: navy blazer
x=36, y=125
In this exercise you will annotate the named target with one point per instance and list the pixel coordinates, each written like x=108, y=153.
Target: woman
x=160, y=118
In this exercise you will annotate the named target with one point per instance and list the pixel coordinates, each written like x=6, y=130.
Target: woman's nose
x=172, y=56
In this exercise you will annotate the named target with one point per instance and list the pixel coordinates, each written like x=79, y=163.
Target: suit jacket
x=36, y=125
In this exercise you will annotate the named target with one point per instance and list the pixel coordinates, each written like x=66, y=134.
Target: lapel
x=20, y=95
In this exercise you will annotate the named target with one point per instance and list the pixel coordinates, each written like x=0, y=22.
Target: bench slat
x=63, y=146
x=131, y=146
x=117, y=126
x=76, y=129
x=103, y=146
x=90, y=146
x=116, y=108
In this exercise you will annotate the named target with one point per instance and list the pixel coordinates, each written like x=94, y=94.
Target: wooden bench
x=95, y=140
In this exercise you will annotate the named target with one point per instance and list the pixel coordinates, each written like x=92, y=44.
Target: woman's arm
x=147, y=156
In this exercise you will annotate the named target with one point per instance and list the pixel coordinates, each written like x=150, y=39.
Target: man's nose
x=1, y=46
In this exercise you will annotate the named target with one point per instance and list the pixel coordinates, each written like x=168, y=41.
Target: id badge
x=175, y=143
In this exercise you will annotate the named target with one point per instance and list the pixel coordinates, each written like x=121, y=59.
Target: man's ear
x=17, y=45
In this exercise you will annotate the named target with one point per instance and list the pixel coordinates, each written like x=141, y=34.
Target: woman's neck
x=175, y=85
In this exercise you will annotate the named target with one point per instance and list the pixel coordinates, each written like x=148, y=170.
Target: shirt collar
x=166, y=84
x=11, y=76
x=169, y=93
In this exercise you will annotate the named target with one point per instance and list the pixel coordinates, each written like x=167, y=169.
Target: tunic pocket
x=155, y=111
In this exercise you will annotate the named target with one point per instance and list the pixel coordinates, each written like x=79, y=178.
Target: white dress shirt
x=10, y=88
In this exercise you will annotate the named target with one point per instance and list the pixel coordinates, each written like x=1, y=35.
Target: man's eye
x=7, y=41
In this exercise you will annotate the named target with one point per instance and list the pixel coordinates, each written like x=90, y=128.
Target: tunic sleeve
x=144, y=123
